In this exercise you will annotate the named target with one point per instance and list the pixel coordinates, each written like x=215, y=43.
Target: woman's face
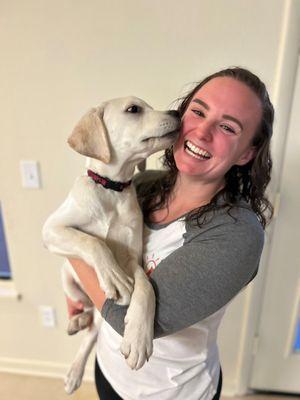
x=217, y=129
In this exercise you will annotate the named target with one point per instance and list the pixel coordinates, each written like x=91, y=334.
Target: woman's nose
x=205, y=131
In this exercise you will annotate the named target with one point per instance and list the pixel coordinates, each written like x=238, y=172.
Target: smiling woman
x=232, y=131
x=204, y=227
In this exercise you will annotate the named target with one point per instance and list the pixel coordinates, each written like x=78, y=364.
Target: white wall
x=58, y=59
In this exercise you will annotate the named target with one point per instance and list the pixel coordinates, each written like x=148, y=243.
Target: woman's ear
x=247, y=156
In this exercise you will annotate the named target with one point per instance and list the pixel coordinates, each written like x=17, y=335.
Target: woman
x=204, y=226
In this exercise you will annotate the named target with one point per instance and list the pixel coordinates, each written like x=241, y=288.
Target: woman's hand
x=74, y=307
x=90, y=284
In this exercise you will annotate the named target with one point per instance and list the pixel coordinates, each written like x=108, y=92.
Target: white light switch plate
x=47, y=315
x=30, y=174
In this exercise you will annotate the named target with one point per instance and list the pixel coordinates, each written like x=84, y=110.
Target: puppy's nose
x=174, y=113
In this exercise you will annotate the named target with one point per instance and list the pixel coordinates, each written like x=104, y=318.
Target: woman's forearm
x=89, y=280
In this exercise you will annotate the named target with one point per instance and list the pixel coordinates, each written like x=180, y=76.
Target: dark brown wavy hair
x=246, y=182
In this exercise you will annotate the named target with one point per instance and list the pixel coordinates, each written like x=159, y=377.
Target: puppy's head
x=124, y=130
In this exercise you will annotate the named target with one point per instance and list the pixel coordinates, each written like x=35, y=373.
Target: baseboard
x=39, y=368
x=229, y=389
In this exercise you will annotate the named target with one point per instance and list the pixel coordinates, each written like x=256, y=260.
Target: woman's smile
x=196, y=151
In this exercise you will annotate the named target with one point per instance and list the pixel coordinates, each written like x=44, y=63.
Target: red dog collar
x=107, y=183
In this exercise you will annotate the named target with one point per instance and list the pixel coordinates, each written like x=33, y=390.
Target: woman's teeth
x=195, y=151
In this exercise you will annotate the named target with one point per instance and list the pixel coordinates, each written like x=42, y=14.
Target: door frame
x=283, y=93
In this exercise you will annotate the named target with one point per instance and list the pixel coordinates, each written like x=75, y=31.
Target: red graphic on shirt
x=151, y=264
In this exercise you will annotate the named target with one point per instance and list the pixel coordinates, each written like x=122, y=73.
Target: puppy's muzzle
x=171, y=134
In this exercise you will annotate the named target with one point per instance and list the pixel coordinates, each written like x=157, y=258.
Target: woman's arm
x=89, y=280
x=203, y=275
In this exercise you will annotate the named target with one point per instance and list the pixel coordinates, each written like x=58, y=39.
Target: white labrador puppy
x=100, y=222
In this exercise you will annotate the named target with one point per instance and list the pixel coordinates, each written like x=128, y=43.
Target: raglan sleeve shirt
x=214, y=263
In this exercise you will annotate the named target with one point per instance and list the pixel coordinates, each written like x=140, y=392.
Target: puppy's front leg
x=137, y=344
x=71, y=242
x=139, y=320
x=75, y=373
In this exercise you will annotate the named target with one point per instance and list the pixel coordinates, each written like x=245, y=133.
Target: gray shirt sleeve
x=213, y=265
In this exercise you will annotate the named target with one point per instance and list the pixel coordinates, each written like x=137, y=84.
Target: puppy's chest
x=111, y=213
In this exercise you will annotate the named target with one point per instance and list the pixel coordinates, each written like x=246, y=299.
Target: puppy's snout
x=174, y=113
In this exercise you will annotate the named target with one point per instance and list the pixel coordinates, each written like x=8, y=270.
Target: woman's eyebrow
x=202, y=103
x=206, y=106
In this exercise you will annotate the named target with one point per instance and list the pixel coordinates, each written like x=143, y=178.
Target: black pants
x=106, y=392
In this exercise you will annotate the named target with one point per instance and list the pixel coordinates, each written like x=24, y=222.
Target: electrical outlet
x=47, y=314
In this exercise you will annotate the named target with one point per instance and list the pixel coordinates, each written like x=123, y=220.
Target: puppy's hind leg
x=74, y=376
x=80, y=321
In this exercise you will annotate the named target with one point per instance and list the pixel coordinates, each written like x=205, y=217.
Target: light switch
x=30, y=174
x=47, y=315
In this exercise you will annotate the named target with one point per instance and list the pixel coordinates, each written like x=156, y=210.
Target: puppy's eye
x=134, y=109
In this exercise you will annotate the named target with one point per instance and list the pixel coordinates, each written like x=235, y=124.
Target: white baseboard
x=39, y=368
x=229, y=389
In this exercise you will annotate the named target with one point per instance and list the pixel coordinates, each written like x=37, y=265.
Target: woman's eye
x=134, y=109
x=227, y=129
x=199, y=112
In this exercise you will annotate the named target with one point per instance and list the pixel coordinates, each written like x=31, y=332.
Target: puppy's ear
x=89, y=137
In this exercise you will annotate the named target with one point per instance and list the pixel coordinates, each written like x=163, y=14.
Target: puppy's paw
x=116, y=285
x=136, y=352
x=80, y=321
x=73, y=378
x=137, y=344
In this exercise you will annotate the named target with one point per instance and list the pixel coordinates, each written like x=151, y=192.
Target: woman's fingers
x=74, y=307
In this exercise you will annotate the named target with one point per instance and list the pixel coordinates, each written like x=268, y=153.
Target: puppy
x=100, y=222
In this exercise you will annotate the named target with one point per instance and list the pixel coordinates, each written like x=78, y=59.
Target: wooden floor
x=23, y=387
